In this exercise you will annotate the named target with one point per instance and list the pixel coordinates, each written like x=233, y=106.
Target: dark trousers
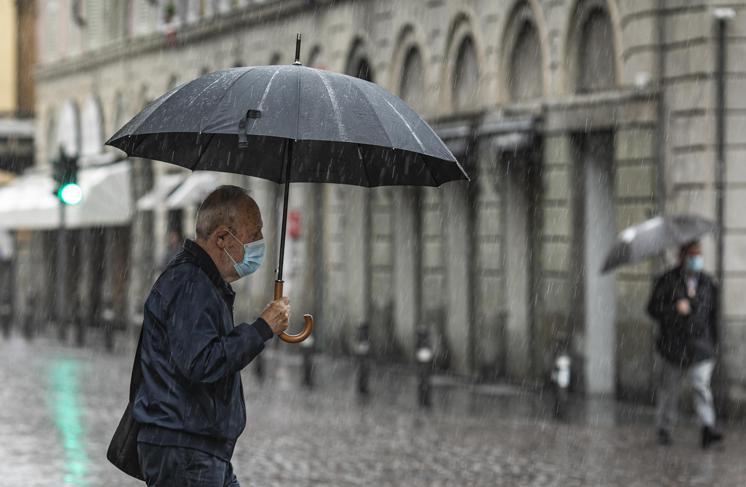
x=172, y=466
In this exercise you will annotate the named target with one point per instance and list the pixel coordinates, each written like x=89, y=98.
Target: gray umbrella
x=653, y=236
x=291, y=124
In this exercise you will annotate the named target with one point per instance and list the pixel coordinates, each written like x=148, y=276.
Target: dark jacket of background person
x=685, y=340
x=192, y=354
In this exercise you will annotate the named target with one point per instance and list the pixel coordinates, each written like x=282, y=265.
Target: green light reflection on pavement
x=64, y=379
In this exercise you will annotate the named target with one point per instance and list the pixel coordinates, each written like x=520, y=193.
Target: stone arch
x=462, y=75
x=67, y=133
x=524, y=54
x=589, y=69
x=92, y=127
x=358, y=62
x=409, y=73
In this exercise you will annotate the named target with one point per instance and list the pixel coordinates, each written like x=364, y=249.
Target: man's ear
x=221, y=234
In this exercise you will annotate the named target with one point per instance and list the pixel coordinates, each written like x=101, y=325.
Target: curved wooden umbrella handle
x=307, y=328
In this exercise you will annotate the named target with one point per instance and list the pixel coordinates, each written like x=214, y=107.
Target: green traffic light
x=70, y=194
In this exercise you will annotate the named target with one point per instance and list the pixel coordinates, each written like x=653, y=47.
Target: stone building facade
x=575, y=119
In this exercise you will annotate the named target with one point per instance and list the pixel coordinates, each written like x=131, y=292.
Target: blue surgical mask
x=253, y=255
x=695, y=263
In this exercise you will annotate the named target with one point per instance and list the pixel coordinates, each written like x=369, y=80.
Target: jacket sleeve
x=661, y=306
x=198, y=351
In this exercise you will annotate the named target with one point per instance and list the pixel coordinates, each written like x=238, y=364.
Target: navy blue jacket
x=191, y=393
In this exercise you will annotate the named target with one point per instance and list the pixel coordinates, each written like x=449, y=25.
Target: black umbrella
x=653, y=236
x=291, y=124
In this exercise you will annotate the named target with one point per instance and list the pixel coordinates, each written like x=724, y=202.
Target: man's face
x=248, y=229
x=694, y=251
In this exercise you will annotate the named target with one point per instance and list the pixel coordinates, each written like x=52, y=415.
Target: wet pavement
x=61, y=404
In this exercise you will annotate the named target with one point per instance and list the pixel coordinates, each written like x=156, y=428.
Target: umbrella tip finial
x=297, y=48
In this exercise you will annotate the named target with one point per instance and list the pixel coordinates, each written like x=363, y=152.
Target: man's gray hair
x=221, y=207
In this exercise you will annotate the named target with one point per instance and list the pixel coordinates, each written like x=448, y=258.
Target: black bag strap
x=136, y=378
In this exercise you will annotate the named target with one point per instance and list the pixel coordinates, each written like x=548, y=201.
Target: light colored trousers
x=669, y=389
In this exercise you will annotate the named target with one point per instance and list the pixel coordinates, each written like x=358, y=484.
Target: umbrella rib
x=359, y=88
x=227, y=90
x=222, y=97
x=335, y=104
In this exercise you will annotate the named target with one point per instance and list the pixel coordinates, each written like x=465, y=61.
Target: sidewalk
x=61, y=404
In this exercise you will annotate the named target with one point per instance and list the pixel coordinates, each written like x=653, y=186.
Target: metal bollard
x=6, y=315
x=28, y=317
x=362, y=351
x=424, y=355
x=80, y=325
x=307, y=351
x=108, y=316
x=561, y=373
x=61, y=324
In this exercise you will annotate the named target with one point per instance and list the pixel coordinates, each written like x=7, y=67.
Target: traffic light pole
x=61, y=271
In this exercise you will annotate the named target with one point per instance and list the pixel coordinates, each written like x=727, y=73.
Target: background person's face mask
x=695, y=263
x=253, y=255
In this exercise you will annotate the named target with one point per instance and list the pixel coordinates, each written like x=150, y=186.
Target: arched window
x=525, y=70
x=358, y=64
x=412, y=83
x=363, y=70
x=68, y=130
x=92, y=129
x=465, y=77
x=595, y=53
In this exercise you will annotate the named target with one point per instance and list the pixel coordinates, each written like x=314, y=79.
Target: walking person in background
x=684, y=302
x=190, y=403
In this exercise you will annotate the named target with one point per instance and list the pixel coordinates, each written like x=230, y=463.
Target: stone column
x=407, y=280
x=459, y=285
x=357, y=242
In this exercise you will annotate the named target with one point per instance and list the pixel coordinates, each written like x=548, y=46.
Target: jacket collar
x=197, y=255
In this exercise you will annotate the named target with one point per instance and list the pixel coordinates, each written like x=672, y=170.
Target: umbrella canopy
x=344, y=130
x=291, y=124
x=653, y=236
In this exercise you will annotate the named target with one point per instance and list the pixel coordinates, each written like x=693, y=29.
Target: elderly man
x=190, y=403
x=685, y=304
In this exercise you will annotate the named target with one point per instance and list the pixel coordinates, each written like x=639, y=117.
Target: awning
x=162, y=189
x=28, y=203
x=6, y=245
x=193, y=191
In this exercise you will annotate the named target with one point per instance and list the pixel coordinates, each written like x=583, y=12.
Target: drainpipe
x=660, y=190
x=722, y=16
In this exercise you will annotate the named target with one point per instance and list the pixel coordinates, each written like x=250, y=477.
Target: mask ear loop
x=237, y=240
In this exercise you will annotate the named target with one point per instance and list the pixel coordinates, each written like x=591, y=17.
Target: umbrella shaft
x=288, y=160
